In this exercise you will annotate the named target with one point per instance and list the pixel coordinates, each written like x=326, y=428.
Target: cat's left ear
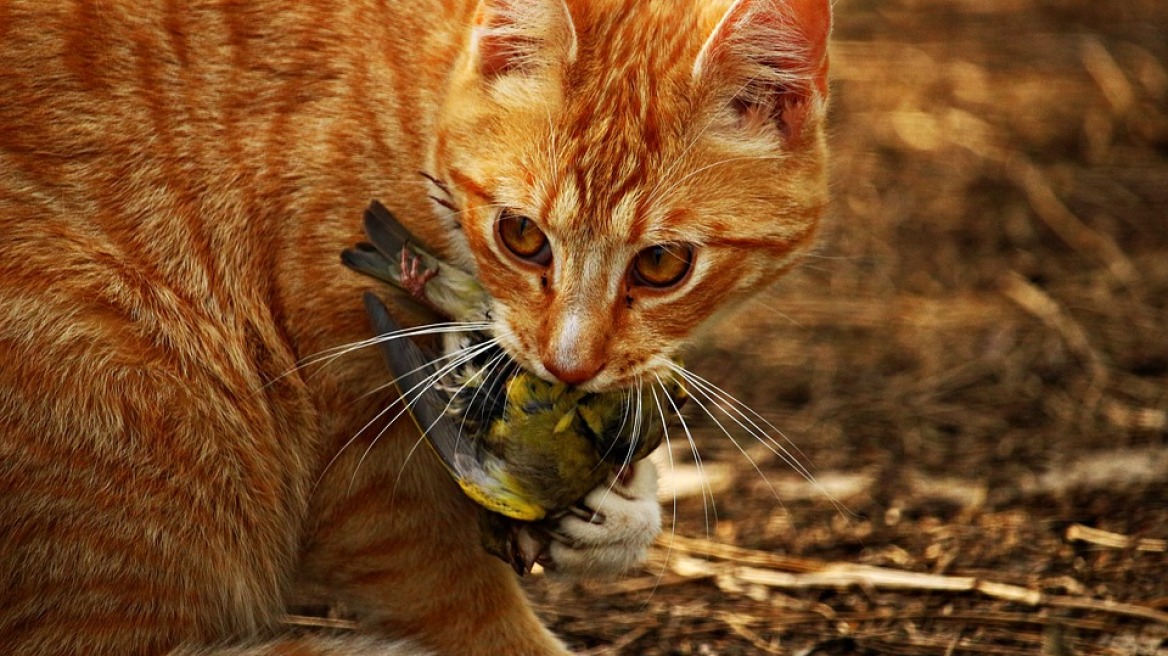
x=521, y=36
x=769, y=57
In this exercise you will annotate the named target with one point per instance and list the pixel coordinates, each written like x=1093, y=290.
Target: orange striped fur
x=177, y=180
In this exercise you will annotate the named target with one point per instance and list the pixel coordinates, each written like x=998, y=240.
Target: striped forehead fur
x=624, y=105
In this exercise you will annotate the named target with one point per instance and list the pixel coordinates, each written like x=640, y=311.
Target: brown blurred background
x=973, y=365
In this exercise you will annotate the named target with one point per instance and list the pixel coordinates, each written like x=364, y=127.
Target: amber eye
x=523, y=238
x=663, y=265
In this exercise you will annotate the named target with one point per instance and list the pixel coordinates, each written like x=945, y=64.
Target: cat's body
x=177, y=180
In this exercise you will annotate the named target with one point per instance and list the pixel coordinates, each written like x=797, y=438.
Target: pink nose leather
x=577, y=375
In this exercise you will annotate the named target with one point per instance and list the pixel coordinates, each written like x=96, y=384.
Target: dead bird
x=523, y=448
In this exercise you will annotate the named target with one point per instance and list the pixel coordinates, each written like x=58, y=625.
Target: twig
x=319, y=622
x=683, y=544
x=815, y=574
x=1099, y=537
x=740, y=625
x=1038, y=303
x=1108, y=75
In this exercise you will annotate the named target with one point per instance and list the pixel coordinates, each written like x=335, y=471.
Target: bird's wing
x=412, y=372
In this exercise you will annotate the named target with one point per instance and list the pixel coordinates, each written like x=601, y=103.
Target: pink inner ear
x=786, y=37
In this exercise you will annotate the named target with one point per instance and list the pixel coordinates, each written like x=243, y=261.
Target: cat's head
x=625, y=168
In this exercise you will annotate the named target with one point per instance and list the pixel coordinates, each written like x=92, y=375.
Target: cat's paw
x=610, y=530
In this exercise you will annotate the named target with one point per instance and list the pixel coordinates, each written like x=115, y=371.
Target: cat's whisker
x=384, y=386
x=445, y=413
x=419, y=331
x=403, y=398
x=694, y=395
x=484, y=206
x=628, y=408
x=393, y=382
x=789, y=318
x=693, y=447
x=672, y=471
x=332, y=353
x=485, y=375
x=696, y=388
x=503, y=362
x=627, y=403
x=453, y=213
x=724, y=400
x=636, y=434
x=467, y=354
x=794, y=460
x=632, y=448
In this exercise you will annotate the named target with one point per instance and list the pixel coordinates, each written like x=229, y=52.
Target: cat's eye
x=663, y=265
x=524, y=239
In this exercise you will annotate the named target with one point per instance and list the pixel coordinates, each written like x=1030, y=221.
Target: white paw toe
x=611, y=530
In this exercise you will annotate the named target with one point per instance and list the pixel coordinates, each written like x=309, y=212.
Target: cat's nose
x=574, y=346
x=577, y=373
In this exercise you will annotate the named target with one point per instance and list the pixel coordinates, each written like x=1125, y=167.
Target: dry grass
x=975, y=362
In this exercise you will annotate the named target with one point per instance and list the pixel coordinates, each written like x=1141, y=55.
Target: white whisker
x=468, y=354
x=672, y=470
x=461, y=356
x=693, y=447
x=402, y=469
x=697, y=388
x=334, y=352
x=485, y=375
x=632, y=447
x=717, y=394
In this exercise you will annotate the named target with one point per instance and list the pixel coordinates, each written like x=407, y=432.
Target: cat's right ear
x=521, y=36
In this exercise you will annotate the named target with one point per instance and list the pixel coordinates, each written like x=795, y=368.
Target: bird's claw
x=607, y=532
x=526, y=548
x=413, y=277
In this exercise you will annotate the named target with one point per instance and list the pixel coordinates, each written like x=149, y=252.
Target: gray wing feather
x=411, y=371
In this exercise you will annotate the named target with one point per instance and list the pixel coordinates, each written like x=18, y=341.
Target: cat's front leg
x=611, y=530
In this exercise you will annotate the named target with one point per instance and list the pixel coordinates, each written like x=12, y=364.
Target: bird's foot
x=610, y=530
x=414, y=277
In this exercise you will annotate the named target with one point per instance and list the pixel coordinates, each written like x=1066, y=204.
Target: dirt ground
x=973, y=366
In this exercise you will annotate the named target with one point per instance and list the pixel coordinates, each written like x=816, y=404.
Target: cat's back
x=141, y=168
x=158, y=163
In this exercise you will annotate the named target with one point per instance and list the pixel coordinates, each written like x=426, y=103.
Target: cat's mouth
x=612, y=375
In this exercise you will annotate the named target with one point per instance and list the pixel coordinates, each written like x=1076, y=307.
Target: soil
x=972, y=367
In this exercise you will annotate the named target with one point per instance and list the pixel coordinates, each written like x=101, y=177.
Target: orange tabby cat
x=177, y=180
